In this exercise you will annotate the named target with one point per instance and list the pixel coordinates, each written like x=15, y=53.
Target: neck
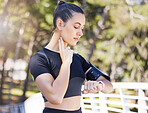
x=54, y=44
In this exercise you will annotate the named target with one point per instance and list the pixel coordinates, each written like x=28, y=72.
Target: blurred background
x=115, y=40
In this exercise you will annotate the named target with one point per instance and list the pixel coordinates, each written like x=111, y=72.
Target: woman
x=60, y=73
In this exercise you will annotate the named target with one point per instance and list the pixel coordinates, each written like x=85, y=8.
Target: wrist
x=101, y=85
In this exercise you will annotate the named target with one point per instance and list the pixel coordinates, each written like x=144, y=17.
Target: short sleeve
x=38, y=65
x=94, y=72
x=85, y=64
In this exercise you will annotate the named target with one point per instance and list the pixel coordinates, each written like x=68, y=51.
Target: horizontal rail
x=120, y=99
x=132, y=85
x=95, y=103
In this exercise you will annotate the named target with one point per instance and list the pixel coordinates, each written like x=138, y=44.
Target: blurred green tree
x=115, y=37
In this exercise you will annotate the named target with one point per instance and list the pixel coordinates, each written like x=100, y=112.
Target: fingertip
x=85, y=91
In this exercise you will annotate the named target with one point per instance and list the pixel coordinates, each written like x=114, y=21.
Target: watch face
x=101, y=85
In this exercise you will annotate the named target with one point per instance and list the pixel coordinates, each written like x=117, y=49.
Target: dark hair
x=64, y=11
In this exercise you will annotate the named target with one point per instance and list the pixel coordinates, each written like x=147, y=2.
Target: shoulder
x=85, y=64
x=38, y=65
x=79, y=56
x=38, y=59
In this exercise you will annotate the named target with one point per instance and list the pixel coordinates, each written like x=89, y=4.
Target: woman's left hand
x=92, y=87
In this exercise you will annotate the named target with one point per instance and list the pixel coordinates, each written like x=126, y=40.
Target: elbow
x=55, y=100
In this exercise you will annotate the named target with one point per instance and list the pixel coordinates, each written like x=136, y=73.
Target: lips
x=76, y=39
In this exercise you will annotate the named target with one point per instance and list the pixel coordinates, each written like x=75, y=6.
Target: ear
x=60, y=23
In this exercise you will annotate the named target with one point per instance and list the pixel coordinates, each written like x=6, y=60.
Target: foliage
x=125, y=39
x=121, y=50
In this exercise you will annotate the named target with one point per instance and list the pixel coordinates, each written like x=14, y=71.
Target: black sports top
x=39, y=65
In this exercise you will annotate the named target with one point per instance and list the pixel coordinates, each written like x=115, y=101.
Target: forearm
x=60, y=84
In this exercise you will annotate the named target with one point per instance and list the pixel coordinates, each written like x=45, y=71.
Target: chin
x=72, y=44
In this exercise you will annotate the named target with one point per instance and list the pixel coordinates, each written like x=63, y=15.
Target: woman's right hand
x=65, y=53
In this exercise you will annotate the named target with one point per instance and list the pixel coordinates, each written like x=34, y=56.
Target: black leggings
x=52, y=110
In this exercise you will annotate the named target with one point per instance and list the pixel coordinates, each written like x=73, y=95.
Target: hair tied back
x=61, y=2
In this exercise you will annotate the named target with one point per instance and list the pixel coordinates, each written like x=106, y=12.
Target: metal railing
x=126, y=98
x=16, y=108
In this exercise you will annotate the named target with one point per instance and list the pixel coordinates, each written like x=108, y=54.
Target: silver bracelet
x=103, y=85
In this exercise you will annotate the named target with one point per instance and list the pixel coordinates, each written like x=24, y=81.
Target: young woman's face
x=72, y=30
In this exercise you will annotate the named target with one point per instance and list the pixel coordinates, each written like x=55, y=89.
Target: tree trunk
x=92, y=46
x=30, y=51
x=21, y=32
x=101, y=26
x=3, y=76
x=2, y=20
x=133, y=73
x=4, y=14
x=91, y=49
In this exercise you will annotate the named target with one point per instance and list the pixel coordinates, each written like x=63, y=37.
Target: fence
x=126, y=98
x=17, y=108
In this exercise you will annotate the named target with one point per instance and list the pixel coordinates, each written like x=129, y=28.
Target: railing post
x=103, y=105
x=3, y=110
x=141, y=102
x=11, y=108
x=15, y=108
x=123, y=100
x=22, y=109
x=82, y=103
x=94, y=105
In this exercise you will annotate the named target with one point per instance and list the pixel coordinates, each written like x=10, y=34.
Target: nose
x=80, y=32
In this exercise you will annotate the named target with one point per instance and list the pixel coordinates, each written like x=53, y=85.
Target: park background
x=115, y=40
